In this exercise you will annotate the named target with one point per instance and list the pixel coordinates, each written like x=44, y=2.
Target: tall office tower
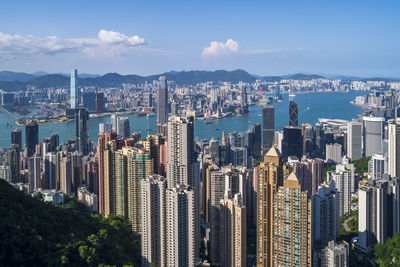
x=215, y=151
x=333, y=153
x=104, y=138
x=16, y=138
x=76, y=170
x=82, y=142
x=114, y=123
x=354, y=140
x=105, y=127
x=34, y=171
x=233, y=231
x=50, y=167
x=123, y=127
x=181, y=166
x=293, y=114
x=378, y=166
x=394, y=148
x=310, y=174
x=268, y=124
x=182, y=226
x=325, y=214
x=292, y=225
x=108, y=182
x=74, y=92
x=343, y=182
x=89, y=101
x=373, y=135
x=217, y=188
x=31, y=137
x=243, y=97
x=209, y=169
x=256, y=129
x=334, y=255
x=100, y=105
x=271, y=173
x=162, y=102
x=153, y=220
x=12, y=160
x=292, y=142
x=65, y=175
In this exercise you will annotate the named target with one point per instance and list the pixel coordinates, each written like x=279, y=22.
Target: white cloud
x=218, y=48
x=115, y=43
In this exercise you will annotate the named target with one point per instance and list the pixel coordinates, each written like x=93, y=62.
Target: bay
x=311, y=108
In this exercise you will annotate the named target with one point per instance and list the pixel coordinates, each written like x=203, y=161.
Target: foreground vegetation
x=388, y=254
x=35, y=233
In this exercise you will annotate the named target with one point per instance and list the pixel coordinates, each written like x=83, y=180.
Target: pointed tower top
x=292, y=181
x=273, y=152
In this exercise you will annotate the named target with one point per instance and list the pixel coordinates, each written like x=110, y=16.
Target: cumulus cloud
x=115, y=43
x=219, y=48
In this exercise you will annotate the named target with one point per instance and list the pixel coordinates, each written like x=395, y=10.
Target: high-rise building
x=181, y=166
x=243, y=97
x=100, y=103
x=325, y=214
x=50, y=167
x=256, y=129
x=343, y=179
x=82, y=130
x=394, y=148
x=310, y=174
x=16, y=138
x=34, y=173
x=268, y=124
x=74, y=92
x=292, y=142
x=378, y=166
x=379, y=212
x=114, y=123
x=232, y=231
x=293, y=114
x=373, y=135
x=333, y=153
x=270, y=176
x=89, y=101
x=354, y=140
x=182, y=226
x=31, y=137
x=153, y=220
x=335, y=255
x=123, y=127
x=162, y=101
x=65, y=175
x=292, y=225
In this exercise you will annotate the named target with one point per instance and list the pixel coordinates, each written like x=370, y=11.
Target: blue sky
x=145, y=37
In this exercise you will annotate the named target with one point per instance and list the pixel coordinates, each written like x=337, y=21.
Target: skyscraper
x=16, y=138
x=31, y=137
x=181, y=166
x=293, y=114
x=292, y=142
x=354, y=138
x=233, y=231
x=182, y=226
x=394, y=148
x=256, y=129
x=292, y=241
x=243, y=97
x=268, y=124
x=373, y=135
x=74, y=92
x=123, y=127
x=153, y=220
x=270, y=176
x=334, y=255
x=162, y=101
x=82, y=130
x=34, y=171
x=344, y=179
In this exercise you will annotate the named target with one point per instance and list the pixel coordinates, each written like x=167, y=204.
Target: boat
x=209, y=122
x=217, y=129
x=308, y=108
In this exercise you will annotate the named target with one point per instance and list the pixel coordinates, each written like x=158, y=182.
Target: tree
x=388, y=254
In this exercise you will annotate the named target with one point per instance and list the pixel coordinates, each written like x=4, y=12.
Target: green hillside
x=35, y=233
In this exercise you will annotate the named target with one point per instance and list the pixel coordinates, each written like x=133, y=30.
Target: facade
x=268, y=124
x=270, y=176
x=88, y=199
x=394, y=148
x=233, y=231
x=74, y=92
x=354, y=139
x=373, y=135
x=335, y=255
x=123, y=127
x=333, y=153
x=293, y=114
x=243, y=97
x=82, y=130
x=31, y=137
x=162, y=102
x=378, y=166
x=292, y=225
x=310, y=174
x=292, y=142
x=343, y=180
x=153, y=220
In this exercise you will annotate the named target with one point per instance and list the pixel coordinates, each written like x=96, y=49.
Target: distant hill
x=300, y=76
x=37, y=233
x=15, y=76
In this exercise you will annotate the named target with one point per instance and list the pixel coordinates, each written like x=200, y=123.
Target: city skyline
x=261, y=38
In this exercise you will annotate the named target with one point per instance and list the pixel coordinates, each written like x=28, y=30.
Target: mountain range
x=14, y=81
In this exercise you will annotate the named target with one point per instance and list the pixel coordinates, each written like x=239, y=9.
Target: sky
x=357, y=38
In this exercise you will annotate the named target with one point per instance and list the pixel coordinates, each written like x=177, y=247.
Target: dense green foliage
x=361, y=166
x=388, y=254
x=35, y=233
